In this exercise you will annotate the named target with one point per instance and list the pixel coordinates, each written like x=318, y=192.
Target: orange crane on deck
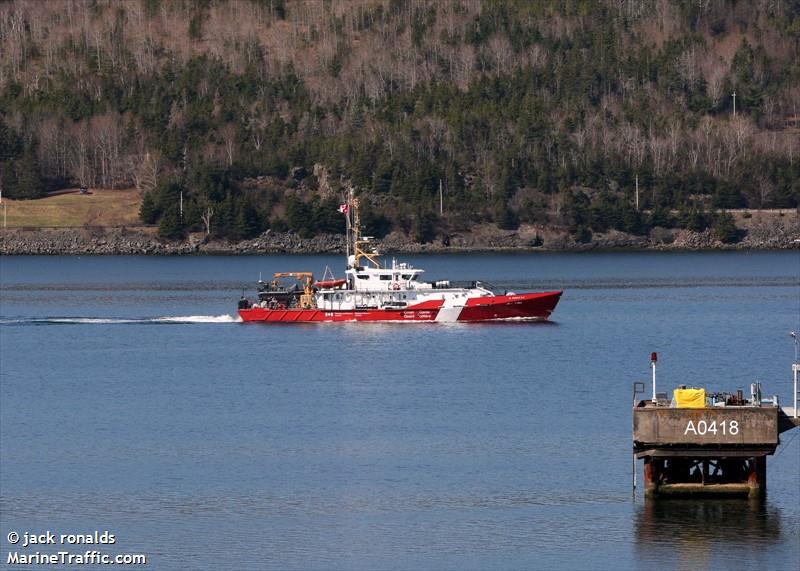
x=307, y=278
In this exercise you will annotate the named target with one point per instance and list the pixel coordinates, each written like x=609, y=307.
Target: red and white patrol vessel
x=371, y=292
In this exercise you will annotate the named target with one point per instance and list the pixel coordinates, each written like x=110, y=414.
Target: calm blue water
x=131, y=401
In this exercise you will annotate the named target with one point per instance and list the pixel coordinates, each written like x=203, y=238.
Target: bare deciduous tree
x=764, y=190
x=146, y=177
x=228, y=133
x=206, y=216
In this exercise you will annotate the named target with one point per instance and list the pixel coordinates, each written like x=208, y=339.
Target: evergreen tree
x=425, y=227
x=30, y=180
x=196, y=26
x=171, y=226
x=224, y=217
x=373, y=224
x=327, y=218
x=191, y=216
x=575, y=209
x=632, y=221
x=582, y=234
x=10, y=144
x=299, y=217
x=504, y=217
x=9, y=179
x=602, y=214
x=148, y=211
x=693, y=217
x=727, y=195
x=725, y=229
x=660, y=217
x=278, y=224
x=247, y=223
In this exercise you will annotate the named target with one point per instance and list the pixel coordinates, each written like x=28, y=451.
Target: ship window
x=362, y=276
x=404, y=296
x=385, y=277
x=338, y=296
x=406, y=276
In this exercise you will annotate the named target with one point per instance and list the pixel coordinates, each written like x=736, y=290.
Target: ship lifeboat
x=329, y=284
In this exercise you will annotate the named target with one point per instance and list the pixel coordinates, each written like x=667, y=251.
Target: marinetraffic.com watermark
x=55, y=548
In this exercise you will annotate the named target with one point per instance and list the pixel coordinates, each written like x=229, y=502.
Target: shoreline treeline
x=254, y=113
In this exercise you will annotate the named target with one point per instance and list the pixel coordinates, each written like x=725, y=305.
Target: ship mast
x=359, y=242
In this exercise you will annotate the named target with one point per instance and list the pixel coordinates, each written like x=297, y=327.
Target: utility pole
x=180, y=206
x=734, y=103
x=441, y=199
x=637, y=193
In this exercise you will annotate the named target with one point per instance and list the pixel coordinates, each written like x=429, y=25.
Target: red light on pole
x=653, y=357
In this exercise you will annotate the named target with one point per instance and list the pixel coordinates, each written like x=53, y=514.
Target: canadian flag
x=343, y=208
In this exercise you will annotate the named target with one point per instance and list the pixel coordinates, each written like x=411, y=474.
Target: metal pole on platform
x=795, y=370
x=653, y=359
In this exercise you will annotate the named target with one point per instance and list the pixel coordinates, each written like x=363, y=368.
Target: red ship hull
x=526, y=306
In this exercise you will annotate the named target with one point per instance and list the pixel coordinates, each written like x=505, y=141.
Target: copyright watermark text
x=65, y=555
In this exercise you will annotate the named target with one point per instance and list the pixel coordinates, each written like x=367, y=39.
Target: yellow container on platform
x=690, y=398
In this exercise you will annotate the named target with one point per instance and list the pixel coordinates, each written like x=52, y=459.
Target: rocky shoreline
x=767, y=234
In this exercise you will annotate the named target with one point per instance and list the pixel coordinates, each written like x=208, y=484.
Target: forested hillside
x=521, y=111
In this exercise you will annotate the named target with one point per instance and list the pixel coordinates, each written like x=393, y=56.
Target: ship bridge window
x=385, y=277
x=362, y=276
x=411, y=277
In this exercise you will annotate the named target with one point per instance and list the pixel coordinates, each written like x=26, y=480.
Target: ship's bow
x=525, y=306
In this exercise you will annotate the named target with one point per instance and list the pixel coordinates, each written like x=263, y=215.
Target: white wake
x=198, y=319
x=120, y=320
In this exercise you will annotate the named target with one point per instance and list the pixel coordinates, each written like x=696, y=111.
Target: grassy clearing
x=100, y=208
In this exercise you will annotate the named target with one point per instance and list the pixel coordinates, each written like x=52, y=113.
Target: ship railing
x=473, y=285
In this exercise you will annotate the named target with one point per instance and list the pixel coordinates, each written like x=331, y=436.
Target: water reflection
x=692, y=531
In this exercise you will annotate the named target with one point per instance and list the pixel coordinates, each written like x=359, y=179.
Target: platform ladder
x=795, y=375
